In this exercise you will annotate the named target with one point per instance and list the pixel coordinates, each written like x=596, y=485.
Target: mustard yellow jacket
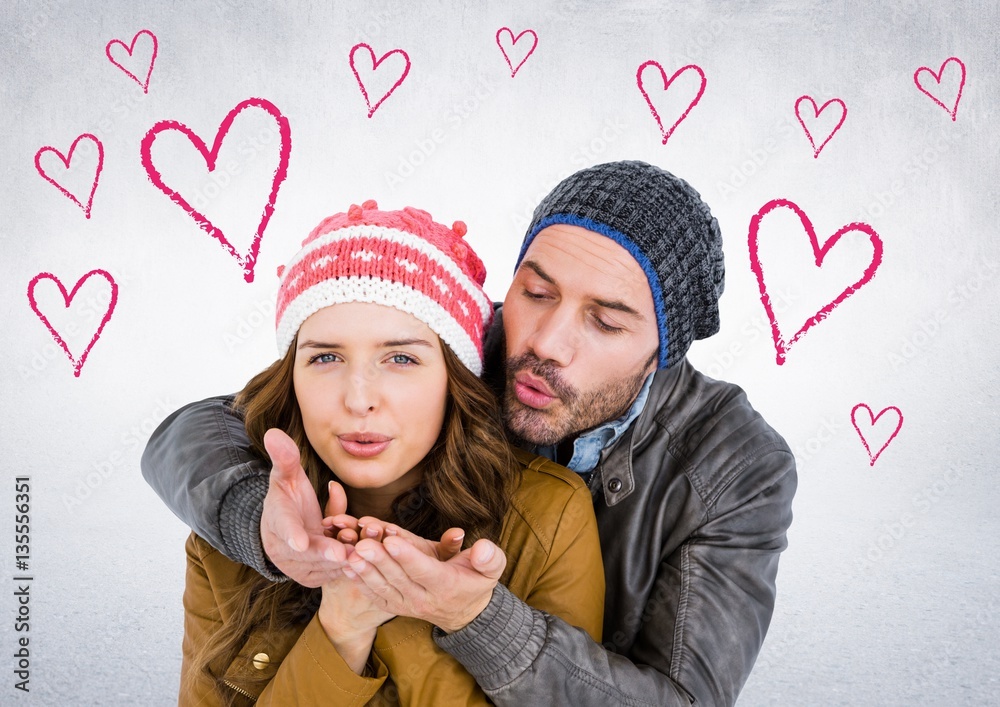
x=553, y=563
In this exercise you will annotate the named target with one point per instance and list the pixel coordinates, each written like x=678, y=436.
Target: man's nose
x=555, y=337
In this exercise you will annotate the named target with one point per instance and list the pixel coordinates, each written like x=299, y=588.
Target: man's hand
x=291, y=524
x=408, y=582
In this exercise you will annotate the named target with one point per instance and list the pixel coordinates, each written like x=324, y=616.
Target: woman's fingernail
x=391, y=549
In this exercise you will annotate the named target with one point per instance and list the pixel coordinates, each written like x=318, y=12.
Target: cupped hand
x=350, y=530
x=409, y=582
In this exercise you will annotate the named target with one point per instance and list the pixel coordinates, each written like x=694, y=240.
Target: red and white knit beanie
x=401, y=259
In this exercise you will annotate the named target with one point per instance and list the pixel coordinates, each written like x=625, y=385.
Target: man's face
x=581, y=335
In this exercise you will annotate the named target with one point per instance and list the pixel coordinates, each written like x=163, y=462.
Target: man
x=621, y=269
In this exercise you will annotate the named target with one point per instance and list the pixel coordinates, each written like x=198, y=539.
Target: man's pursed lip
x=531, y=396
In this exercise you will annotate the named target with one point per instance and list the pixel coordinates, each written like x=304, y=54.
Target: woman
x=381, y=319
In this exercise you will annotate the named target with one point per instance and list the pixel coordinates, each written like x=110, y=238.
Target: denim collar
x=588, y=446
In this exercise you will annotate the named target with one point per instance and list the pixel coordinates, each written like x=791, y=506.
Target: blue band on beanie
x=633, y=250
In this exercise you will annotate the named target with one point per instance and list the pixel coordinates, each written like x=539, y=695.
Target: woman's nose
x=362, y=394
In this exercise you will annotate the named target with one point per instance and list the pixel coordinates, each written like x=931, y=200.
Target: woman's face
x=372, y=386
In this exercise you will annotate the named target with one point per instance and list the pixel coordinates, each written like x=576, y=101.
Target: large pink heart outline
x=874, y=419
x=816, y=113
x=953, y=111
x=129, y=49
x=66, y=160
x=68, y=299
x=666, y=85
x=249, y=261
x=375, y=65
x=780, y=345
x=513, y=41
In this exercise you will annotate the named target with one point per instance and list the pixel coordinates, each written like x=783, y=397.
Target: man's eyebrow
x=616, y=305
x=531, y=264
x=310, y=344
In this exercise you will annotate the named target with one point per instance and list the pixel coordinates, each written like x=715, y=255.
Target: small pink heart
x=814, y=118
x=780, y=344
x=666, y=85
x=513, y=42
x=140, y=62
x=870, y=425
x=375, y=65
x=68, y=299
x=66, y=164
x=248, y=261
x=938, y=77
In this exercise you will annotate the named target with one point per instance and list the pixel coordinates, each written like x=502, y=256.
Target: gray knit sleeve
x=199, y=462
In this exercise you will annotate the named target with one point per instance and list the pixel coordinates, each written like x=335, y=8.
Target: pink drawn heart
x=872, y=419
x=375, y=65
x=953, y=111
x=666, y=85
x=248, y=261
x=815, y=116
x=68, y=299
x=139, y=62
x=780, y=344
x=513, y=41
x=66, y=163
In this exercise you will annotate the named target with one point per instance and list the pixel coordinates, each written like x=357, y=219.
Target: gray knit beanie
x=664, y=224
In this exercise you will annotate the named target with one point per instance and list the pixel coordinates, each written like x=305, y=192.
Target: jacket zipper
x=239, y=690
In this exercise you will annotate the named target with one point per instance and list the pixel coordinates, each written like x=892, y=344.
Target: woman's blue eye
x=323, y=358
x=403, y=359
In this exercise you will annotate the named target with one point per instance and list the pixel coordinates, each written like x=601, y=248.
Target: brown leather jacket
x=553, y=564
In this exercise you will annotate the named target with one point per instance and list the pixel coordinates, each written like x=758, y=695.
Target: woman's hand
x=350, y=530
x=347, y=611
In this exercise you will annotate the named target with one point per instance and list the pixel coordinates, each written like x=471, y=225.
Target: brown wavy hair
x=467, y=481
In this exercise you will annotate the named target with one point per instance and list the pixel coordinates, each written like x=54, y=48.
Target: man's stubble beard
x=575, y=412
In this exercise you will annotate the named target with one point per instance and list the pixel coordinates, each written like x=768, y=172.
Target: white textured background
x=887, y=593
